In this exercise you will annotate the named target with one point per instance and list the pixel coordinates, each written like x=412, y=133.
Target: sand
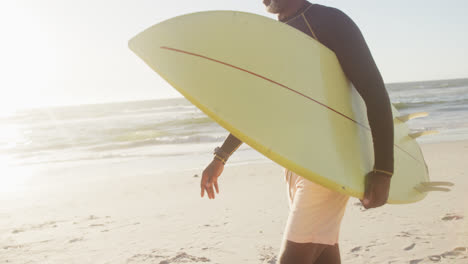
x=131, y=211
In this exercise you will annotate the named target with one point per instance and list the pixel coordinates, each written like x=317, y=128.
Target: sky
x=62, y=52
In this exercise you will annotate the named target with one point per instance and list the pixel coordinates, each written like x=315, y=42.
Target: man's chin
x=272, y=6
x=272, y=10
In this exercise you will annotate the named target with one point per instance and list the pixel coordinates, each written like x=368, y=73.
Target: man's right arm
x=359, y=66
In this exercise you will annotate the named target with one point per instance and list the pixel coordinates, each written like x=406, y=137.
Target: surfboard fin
x=408, y=117
x=424, y=187
x=439, y=183
x=423, y=133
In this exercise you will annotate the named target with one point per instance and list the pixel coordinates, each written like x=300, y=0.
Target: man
x=311, y=234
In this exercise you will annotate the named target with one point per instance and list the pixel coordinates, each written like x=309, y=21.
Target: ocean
x=175, y=133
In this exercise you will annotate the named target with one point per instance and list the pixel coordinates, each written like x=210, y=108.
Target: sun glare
x=28, y=57
x=12, y=177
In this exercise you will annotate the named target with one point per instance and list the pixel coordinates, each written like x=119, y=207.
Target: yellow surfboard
x=282, y=93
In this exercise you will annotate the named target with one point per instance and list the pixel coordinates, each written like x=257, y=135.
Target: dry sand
x=123, y=212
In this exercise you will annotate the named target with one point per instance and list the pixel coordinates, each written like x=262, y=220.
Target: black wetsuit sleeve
x=358, y=64
x=231, y=144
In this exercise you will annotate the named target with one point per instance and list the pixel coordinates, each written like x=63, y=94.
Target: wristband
x=219, y=154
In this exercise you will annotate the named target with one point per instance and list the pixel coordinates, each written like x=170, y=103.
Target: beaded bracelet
x=221, y=155
x=384, y=172
x=216, y=156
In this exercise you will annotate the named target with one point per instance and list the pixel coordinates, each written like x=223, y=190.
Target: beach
x=120, y=183
x=111, y=111
x=102, y=212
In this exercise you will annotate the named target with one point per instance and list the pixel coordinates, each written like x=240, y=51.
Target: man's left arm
x=359, y=66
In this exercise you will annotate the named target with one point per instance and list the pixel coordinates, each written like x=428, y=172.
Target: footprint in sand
x=268, y=255
x=208, y=225
x=75, y=240
x=356, y=249
x=90, y=222
x=92, y=217
x=96, y=225
x=450, y=217
x=156, y=257
x=25, y=246
x=410, y=247
x=457, y=253
x=410, y=233
x=50, y=224
x=184, y=258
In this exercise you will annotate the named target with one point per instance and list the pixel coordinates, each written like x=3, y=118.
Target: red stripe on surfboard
x=267, y=79
x=279, y=84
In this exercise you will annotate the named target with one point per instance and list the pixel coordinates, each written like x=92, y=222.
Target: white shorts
x=315, y=211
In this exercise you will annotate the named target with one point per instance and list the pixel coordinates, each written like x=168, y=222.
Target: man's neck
x=291, y=9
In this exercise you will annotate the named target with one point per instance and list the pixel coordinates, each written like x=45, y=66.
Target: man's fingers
x=209, y=190
x=205, y=187
x=369, y=198
x=379, y=196
x=382, y=200
x=203, y=184
x=376, y=191
x=209, y=184
x=367, y=193
x=374, y=199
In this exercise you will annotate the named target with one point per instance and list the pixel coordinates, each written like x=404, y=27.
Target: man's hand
x=210, y=178
x=377, y=189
